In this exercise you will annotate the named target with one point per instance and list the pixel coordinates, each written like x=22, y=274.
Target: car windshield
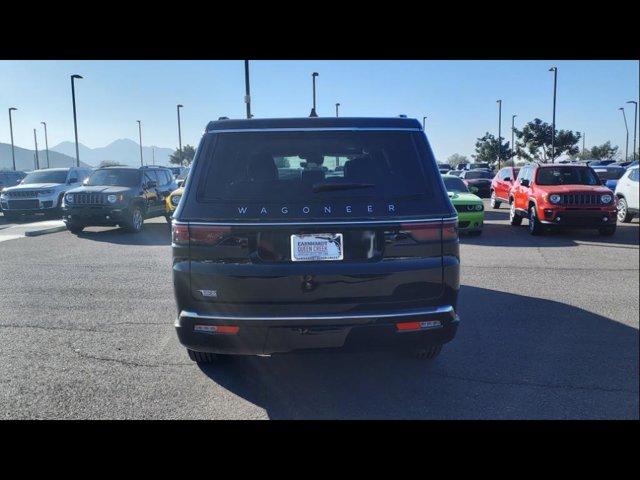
x=567, y=176
x=455, y=184
x=477, y=175
x=46, y=176
x=308, y=166
x=114, y=177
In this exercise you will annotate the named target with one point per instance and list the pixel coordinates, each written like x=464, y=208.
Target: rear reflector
x=412, y=326
x=225, y=329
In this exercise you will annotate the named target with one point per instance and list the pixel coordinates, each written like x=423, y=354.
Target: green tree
x=183, y=158
x=457, y=159
x=487, y=149
x=606, y=151
x=534, y=142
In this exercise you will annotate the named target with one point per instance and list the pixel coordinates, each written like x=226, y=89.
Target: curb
x=44, y=231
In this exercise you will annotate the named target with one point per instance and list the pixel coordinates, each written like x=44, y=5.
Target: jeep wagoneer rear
x=315, y=233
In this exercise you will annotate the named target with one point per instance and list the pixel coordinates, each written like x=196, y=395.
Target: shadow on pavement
x=153, y=234
x=514, y=357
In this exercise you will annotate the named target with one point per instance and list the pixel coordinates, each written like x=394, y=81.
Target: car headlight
x=555, y=198
x=479, y=207
x=45, y=192
x=112, y=198
x=606, y=198
x=175, y=200
x=68, y=198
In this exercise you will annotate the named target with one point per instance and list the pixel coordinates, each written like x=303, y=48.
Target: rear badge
x=209, y=293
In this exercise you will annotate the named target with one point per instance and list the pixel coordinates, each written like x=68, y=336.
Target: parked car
x=172, y=201
x=480, y=179
x=123, y=196
x=177, y=171
x=444, y=166
x=501, y=184
x=469, y=206
x=561, y=195
x=600, y=163
x=40, y=192
x=609, y=174
x=455, y=173
x=366, y=257
x=627, y=195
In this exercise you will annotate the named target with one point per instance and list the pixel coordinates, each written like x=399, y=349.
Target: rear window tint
x=259, y=167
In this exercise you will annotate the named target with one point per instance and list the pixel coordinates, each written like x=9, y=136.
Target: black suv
x=122, y=196
x=314, y=233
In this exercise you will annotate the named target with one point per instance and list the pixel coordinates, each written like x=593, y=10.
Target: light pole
x=626, y=149
x=247, y=88
x=635, y=125
x=337, y=111
x=499, y=102
x=178, y=107
x=140, y=136
x=553, y=124
x=513, y=130
x=46, y=143
x=424, y=122
x=75, y=118
x=584, y=136
x=153, y=155
x=13, y=153
x=313, y=110
x=35, y=141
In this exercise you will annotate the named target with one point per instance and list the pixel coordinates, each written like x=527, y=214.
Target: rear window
x=476, y=175
x=312, y=166
x=455, y=184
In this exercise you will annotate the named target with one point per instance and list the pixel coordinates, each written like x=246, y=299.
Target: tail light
x=432, y=232
x=185, y=234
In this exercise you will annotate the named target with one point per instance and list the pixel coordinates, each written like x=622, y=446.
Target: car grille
x=22, y=194
x=581, y=200
x=88, y=198
x=24, y=204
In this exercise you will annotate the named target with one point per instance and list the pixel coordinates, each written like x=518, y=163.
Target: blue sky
x=458, y=97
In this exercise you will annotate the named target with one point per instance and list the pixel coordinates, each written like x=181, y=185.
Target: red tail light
x=422, y=232
x=449, y=230
x=185, y=234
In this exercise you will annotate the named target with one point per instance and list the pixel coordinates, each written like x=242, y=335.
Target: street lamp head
x=44, y=123
x=75, y=75
x=180, y=106
x=337, y=104
x=621, y=108
x=514, y=116
x=633, y=101
x=553, y=69
x=315, y=74
x=12, y=108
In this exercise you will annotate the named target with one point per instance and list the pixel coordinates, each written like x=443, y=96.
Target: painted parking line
x=31, y=229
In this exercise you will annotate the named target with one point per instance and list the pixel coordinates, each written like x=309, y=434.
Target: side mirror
x=524, y=183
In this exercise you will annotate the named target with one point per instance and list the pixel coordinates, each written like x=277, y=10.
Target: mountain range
x=25, y=159
x=123, y=151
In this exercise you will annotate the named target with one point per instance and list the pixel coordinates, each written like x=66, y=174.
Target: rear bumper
x=355, y=332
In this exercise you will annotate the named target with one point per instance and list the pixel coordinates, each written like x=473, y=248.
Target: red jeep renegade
x=562, y=195
x=501, y=184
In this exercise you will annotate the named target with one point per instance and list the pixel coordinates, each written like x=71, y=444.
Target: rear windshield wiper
x=326, y=187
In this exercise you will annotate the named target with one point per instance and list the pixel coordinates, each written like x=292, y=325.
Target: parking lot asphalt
x=549, y=330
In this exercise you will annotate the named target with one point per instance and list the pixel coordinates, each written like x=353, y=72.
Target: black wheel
x=623, y=211
x=202, y=357
x=514, y=218
x=428, y=353
x=136, y=220
x=607, y=231
x=494, y=202
x=535, y=227
x=74, y=228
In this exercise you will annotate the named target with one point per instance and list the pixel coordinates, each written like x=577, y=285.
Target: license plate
x=316, y=247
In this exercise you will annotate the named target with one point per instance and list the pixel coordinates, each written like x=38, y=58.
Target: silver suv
x=41, y=191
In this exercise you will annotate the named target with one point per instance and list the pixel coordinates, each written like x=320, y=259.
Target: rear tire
x=514, y=218
x=607, y=231
x=202, y=357
x=494, y=203
x=75, y=229
x=136, y=220
x=428, y=353
x=535, y=227
x=623, y=211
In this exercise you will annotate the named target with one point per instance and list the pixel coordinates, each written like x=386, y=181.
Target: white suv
x=627, y=195
x=41, y=191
